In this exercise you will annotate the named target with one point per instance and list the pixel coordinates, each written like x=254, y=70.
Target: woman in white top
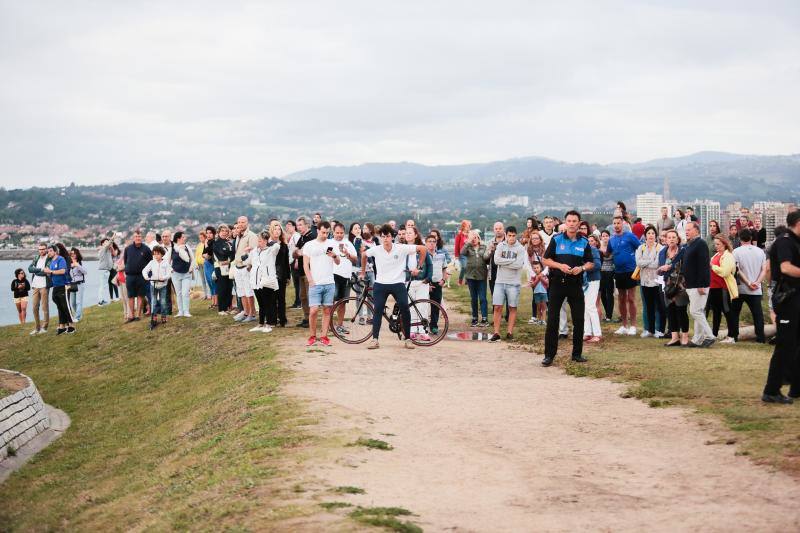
x=182, y=261
x=264, y=280
x=680, y=224
x=652, y=292
x=292, y=236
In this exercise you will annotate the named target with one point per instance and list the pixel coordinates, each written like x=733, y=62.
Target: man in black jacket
x=785, y=272
x=697, y=276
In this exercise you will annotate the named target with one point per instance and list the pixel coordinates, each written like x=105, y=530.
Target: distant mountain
x=780, y=169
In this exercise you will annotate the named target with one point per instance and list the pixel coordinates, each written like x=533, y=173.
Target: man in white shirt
x=547, y=230
x=342, y=271
x=245, y=244
x=40, y=287
x=390, y=264
x=752, y=263
x=319, y=261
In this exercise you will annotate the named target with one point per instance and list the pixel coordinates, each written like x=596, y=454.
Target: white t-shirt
x=750, y=260
x=321, y=264
x=391, y=265
x=39, y=282
x=345, y=266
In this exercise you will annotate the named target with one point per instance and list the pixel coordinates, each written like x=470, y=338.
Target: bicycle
x=356, y=326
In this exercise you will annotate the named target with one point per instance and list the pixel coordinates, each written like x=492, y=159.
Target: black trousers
x=654, y=300
x=224, y=286
x=280, y=302
x=435, y=294
x=754, y=303
x=785, y=359
x=113, y=290
x=380, y=292
x=267, y=309
x=719, y=304
x=572, y=292
x=60, y=299
x=607, y=293
x=296, y=281
x=678, y=318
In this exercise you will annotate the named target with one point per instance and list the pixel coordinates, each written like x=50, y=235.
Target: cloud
x=94, y=93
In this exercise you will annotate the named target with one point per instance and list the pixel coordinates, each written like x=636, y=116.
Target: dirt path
x=487, y=440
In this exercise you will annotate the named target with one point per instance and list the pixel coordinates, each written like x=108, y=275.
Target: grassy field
x=180, y=428
x=725, y=382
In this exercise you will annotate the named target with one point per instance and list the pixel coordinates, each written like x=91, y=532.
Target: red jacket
x=638, y=230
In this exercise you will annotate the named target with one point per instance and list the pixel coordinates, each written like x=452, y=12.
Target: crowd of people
x=566, y=264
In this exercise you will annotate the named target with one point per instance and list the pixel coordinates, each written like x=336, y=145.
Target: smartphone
x=330, y=249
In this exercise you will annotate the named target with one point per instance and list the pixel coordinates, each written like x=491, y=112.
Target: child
x=539, y=282
x=158, y=272
x=20, y=287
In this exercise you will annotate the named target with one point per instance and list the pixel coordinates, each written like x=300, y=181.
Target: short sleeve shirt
x=391, y=265
x=750, y=260
x=342, y=248
x=786, y=248
x=573, y=253
x=321, y=264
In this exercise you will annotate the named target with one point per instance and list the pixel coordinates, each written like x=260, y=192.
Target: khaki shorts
x=21, y=300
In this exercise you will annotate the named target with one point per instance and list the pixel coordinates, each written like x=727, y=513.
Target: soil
x=11, y=383
x=485, y=439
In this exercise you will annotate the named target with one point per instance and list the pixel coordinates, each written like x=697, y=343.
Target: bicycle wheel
x=425, y=335
x=356, y=324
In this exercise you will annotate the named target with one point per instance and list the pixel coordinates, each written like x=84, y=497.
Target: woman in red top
x=462, y=237
x=719, y=299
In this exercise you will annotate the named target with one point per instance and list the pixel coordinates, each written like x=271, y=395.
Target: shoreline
x=18, y=254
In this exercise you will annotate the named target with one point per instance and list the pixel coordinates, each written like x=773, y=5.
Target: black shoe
x=509, y=337
x=59, y=331
x=494, y=338
x=547, y=361
x=690, y=344
x=136, y=319
x=563, y=336
x=70, y=329
x=484, y=323
x=671, y=344
x=579, y=359
x=771, y=341
x=302, y=324
x=708, y=343
x=152, y=325
x=777, y=398
x=474, y=324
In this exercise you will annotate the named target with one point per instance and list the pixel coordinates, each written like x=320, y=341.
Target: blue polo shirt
x=624, y=249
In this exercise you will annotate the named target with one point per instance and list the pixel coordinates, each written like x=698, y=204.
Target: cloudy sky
x=95, y=92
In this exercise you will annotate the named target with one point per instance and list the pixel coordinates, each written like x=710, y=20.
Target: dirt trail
x=487, y=440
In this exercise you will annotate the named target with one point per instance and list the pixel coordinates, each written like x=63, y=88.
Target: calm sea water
x=8, y=311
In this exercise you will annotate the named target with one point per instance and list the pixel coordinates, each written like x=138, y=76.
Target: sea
x=8, y=311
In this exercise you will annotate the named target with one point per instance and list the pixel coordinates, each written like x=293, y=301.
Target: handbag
x=637, y=274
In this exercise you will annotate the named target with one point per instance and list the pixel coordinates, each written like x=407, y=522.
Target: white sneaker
x=621, y=331
x=645, y=334
x=532, y=321
x=42, y=331
x=34, y=332
x=632, y=330
x=221, y=313
x=239, y=317
x=658, y=335
x=266, y=329
x=257, y=328
x=187, y=315
x=728, y=340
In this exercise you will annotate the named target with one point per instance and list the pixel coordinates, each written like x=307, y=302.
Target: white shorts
x=242, y=278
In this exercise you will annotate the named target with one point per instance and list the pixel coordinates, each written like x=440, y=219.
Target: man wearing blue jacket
x=623, y=245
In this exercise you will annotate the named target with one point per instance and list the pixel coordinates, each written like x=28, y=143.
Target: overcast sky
x=95, y=92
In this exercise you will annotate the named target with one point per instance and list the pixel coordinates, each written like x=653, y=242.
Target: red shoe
x=325, y=341
x=312, y=340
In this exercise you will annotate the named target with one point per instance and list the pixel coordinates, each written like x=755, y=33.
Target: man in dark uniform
x=784, y=260
x=567, y=256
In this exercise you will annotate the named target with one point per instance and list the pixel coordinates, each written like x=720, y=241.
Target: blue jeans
x=76, y=301
x=380, y=291
x=159, y=306
x=477, y=291
x=208, y=271
x=183, y=285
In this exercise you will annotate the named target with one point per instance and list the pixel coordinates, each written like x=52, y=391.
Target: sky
x=99, y=92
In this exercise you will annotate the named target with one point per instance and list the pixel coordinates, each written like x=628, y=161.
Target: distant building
x=772, y=214
x=510, y=200
x=648, y=207
x=706, y=211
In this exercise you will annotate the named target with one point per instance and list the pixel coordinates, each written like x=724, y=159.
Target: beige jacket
x=248, y=240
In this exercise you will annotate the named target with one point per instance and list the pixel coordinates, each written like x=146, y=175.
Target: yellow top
x=198, y=254
x=725, y=270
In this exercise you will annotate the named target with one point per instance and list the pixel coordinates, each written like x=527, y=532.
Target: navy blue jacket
x=696, y=265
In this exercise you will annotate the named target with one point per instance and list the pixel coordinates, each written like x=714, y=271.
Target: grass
x=725, y=381
x=385, y=517
x=375, y=444
x=180, y=428
x=349, y=490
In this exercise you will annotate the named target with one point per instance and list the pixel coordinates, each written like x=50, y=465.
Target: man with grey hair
x=306, y=235
x=696, y=272
x=150, y=240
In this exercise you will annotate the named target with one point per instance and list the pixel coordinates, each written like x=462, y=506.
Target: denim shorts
x=321, y=295
x=505, y=292
x=540, y=297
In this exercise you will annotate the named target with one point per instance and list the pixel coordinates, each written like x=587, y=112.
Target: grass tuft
x=349, y=490
x=385, y=517
x=376, y=444
x=330, y=506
